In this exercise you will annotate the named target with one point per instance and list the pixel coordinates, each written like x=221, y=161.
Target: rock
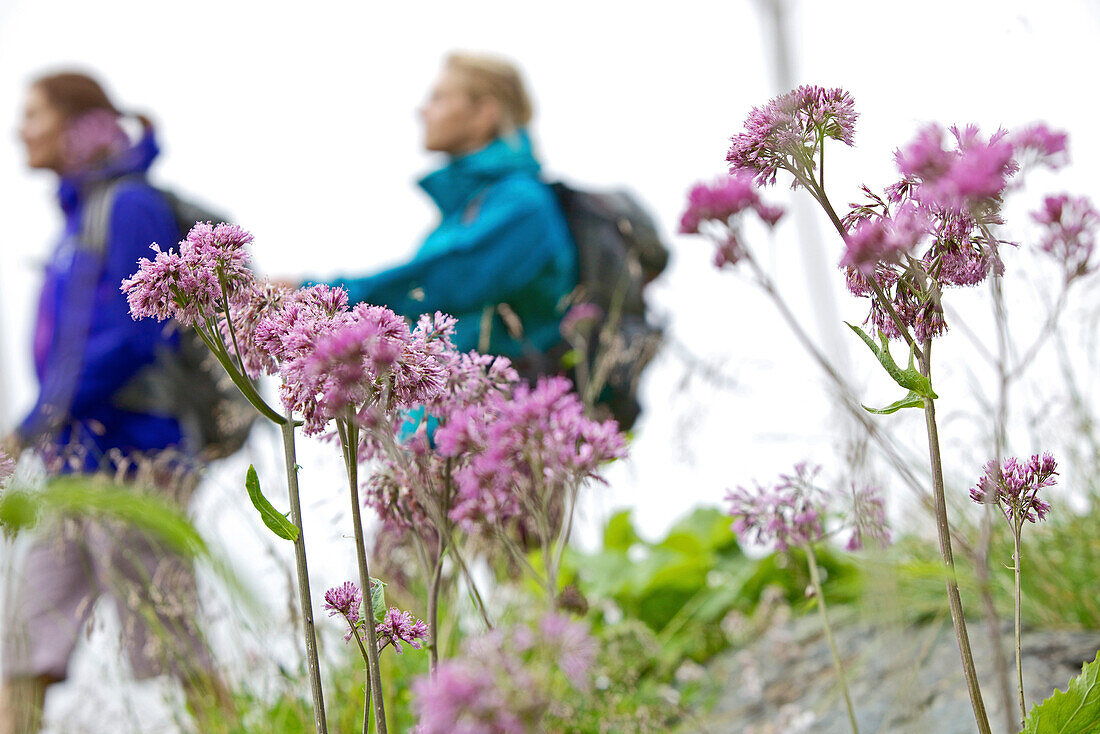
x=902, y=680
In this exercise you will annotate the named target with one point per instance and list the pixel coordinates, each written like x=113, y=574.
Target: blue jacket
x=86, y=345
x=502, y=239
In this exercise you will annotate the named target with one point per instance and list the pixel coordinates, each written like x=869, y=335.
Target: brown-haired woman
x=87, y=350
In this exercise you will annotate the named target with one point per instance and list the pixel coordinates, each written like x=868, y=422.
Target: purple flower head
x=92, y=138
x=717, y=201
x=530, y=445
x=346, y=600
x=972, y=176
x=1015, y=487
x=1037, y=144
x=1070, y=225
x=786, y=132
x=197, y=281
x=575, y=648
x=397, y=627
x=867, y=517
x=884, y=239
x=504, y=681
x=791, y=512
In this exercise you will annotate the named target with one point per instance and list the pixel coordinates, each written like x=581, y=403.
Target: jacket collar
x=452, y=186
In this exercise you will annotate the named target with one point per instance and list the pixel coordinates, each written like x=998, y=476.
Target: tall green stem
x=815, y=577
x=943, y=530
x=308, y=630
x=1019, y=596
x=350, y=436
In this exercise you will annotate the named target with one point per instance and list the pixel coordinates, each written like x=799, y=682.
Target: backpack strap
x=95, y=217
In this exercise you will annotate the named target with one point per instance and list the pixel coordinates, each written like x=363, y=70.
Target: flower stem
x=287, y=428
x=943, y=529
x=1019, y=596
x=815, y=577
x=350, y=439
x=433, y=608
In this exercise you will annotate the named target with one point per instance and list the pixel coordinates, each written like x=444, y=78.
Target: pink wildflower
x=397, y=627
x=973, y=175
x=1038, y=144
x=1070, y=237
x=787, y=131
x=347, y=601
x=867, y=518
x=1017, y=488
x=187, y=284
x=504, y=681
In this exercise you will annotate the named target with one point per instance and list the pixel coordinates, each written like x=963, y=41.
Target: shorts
x=77, y=561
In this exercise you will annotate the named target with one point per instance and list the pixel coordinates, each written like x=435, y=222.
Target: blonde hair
x=495, y=77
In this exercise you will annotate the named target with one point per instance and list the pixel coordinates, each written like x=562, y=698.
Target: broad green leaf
x=275, y=521
x=1075, y=710
x=910, y=378
x=95, y=497
x=620, y=534
x=378, y=599
x=912, y=400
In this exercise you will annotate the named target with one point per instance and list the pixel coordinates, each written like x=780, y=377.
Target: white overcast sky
x=299, y=120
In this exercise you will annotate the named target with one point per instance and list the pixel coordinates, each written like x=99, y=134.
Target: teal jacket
x=502, y=239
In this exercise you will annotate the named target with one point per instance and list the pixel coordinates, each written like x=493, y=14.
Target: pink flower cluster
x=793, y=512
x=789, y=513
x=397, y=627
x=90, y=139
x=1070, y=236
x=1017, y=488
x=787, y=132
x=412, y=486
x=721, y=202
x=187, y=283
x=340, y=362
x=347, y=601
x=884, y=239
x=951, y=198
x=972, y=175
x=867, y=518
x=504, y=680
x=526, y=450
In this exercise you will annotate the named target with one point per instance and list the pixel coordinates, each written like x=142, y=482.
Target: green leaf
x=1073, y=711
x=275, y=521
x=912, y=400
x=96, y=497
x=377, y=599
x=910, y=378
x=620, y=534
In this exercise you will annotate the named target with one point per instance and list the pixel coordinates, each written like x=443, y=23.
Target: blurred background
x=302, y=126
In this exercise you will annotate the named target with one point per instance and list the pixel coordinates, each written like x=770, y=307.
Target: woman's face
x=454, y=122
x=41, y=131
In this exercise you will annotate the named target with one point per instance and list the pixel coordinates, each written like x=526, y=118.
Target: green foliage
x=377, y=599
x=1073, y=711
x=98, y=498
x=275, y=521
x=910, y=378
x=684, y=584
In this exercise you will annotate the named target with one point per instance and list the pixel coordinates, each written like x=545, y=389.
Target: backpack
x=619, y=252
x=187, y=383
